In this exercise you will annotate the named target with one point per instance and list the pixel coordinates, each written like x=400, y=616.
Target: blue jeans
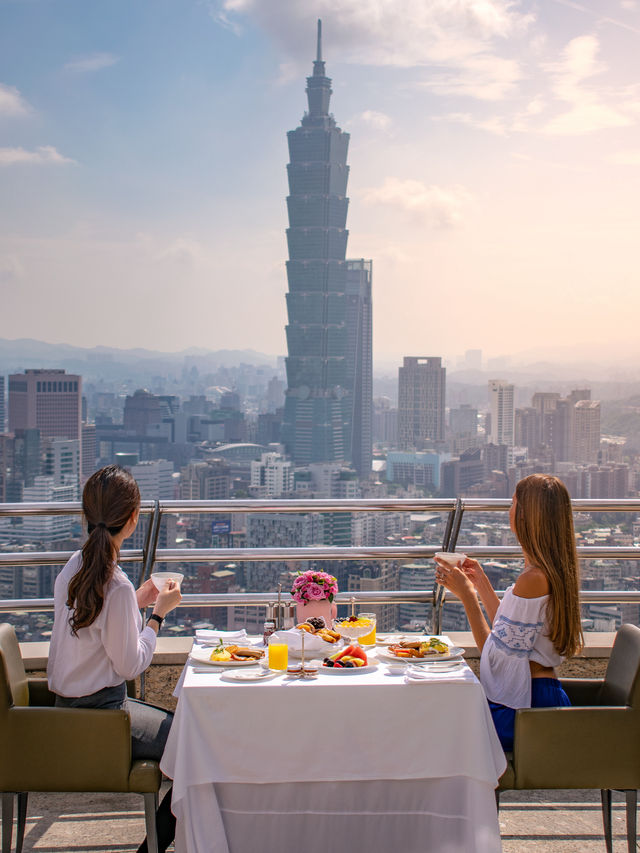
x=545, y=693
x=149, y=725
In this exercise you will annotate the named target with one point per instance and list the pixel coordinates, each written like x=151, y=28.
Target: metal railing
x=151, y=554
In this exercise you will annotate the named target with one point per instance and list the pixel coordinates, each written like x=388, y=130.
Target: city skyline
x=492, y=184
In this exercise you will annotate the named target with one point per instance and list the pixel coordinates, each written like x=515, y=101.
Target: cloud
x=12, y=103
x=483, y=76
x=591, y=108
x=373, y=118
x=625, y=158
x=439, y=207
x=43, y=155
x=376, y=32
x=91, y=62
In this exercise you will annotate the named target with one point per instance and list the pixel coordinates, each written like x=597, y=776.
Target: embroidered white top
x=519, y=634
x=114, y=648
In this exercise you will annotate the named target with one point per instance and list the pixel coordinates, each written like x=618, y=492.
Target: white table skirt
x=454, y=815
x=268, y=766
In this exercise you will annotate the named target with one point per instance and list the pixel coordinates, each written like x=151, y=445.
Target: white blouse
x=519, y=634
x=114, y=648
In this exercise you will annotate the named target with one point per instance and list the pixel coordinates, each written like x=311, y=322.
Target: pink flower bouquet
x=314, y=586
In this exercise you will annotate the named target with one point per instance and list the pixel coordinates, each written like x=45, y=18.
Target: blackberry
x=316, y=622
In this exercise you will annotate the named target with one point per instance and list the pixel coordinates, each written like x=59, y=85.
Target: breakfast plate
x=349, y=670
x=203, y=655
x=453, y=653
x=250, y=675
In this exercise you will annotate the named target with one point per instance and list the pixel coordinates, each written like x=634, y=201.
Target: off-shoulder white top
x=519, y=634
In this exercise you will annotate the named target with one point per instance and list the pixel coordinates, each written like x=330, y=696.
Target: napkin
x=293, y=638
x=210, y=637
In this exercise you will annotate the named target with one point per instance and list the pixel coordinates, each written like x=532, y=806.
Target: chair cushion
x=145, y=776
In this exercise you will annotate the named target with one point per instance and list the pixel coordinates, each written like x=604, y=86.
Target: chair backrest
x=14, y=689
x=621, y=684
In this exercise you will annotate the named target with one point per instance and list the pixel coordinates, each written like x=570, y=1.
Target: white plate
x=250, y=674
x=200, y=655
x=349, y=670
x=453, y=653
x=392, y=640
x=442, y=665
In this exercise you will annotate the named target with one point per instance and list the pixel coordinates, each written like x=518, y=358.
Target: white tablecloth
x=412, y=766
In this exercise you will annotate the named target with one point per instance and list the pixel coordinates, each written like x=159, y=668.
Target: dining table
x=374, y=760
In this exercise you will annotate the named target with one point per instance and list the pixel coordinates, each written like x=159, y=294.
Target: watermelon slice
x=352, y=651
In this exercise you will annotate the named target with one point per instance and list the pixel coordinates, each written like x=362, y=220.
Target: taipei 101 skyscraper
x=328, y=405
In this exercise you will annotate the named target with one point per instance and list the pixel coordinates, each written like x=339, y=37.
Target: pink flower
x=314, y=586
x=316, y=592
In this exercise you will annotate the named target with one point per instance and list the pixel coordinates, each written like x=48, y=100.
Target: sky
x=494, y=155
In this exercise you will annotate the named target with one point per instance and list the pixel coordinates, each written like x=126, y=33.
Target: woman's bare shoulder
x=532, y=583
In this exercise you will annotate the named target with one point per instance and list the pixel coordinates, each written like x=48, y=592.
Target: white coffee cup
x=451, y=558
x=160, y=578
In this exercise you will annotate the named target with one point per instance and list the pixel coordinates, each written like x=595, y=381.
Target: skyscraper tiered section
x=328, y=405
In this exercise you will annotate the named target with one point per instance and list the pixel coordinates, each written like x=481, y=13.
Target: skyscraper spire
x=318, y=87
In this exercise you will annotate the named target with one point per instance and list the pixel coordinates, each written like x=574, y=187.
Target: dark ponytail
x=109, y=498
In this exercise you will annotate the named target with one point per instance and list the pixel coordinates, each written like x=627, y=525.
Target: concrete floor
x=530, y=822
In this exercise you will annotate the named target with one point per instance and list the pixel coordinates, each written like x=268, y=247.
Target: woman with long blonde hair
x=537, y=624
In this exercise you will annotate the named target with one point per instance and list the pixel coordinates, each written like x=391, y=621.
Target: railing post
x=148, y=560
x=449, y=541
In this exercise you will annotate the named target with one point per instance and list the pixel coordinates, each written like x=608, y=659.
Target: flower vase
x=323, y=607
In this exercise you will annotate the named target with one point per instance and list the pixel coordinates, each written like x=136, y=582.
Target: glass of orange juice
x=278, y=655
x=370, y=638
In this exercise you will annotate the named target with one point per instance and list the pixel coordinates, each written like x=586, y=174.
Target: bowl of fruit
x=353, y=627
x=350, y=659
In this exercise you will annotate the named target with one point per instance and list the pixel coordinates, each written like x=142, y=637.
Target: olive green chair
x=44, y=748
x=595, y=743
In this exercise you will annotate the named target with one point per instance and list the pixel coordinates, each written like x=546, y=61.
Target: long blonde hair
x=543, y=523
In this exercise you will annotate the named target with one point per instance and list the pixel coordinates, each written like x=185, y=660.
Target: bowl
x=354, y=630
x=160, y=578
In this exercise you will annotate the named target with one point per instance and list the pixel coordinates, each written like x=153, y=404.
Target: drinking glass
x=278, y=655
x=370, y=638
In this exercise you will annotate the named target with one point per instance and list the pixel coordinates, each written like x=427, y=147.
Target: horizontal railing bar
x=56, y=558
x=301, y=506
x=262, y=599
x=316, y=552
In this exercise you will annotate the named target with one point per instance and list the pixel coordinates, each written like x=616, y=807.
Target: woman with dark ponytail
x=98, y=640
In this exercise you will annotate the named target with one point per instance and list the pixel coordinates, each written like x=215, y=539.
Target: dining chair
x=45, y=748
x=594, y=743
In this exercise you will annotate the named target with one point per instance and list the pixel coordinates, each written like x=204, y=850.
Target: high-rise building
x=272, y=476
x=2, y=405
x=89, y=451
x=327, y=415
x=501, y=407
x=586, y=431
x=48, y=400
x=61, y=461
x=421, y=398
x=360, y=364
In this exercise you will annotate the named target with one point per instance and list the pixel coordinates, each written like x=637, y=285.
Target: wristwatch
x=156, y=618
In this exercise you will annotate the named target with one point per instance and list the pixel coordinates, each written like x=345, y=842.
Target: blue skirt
x=545, y=693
